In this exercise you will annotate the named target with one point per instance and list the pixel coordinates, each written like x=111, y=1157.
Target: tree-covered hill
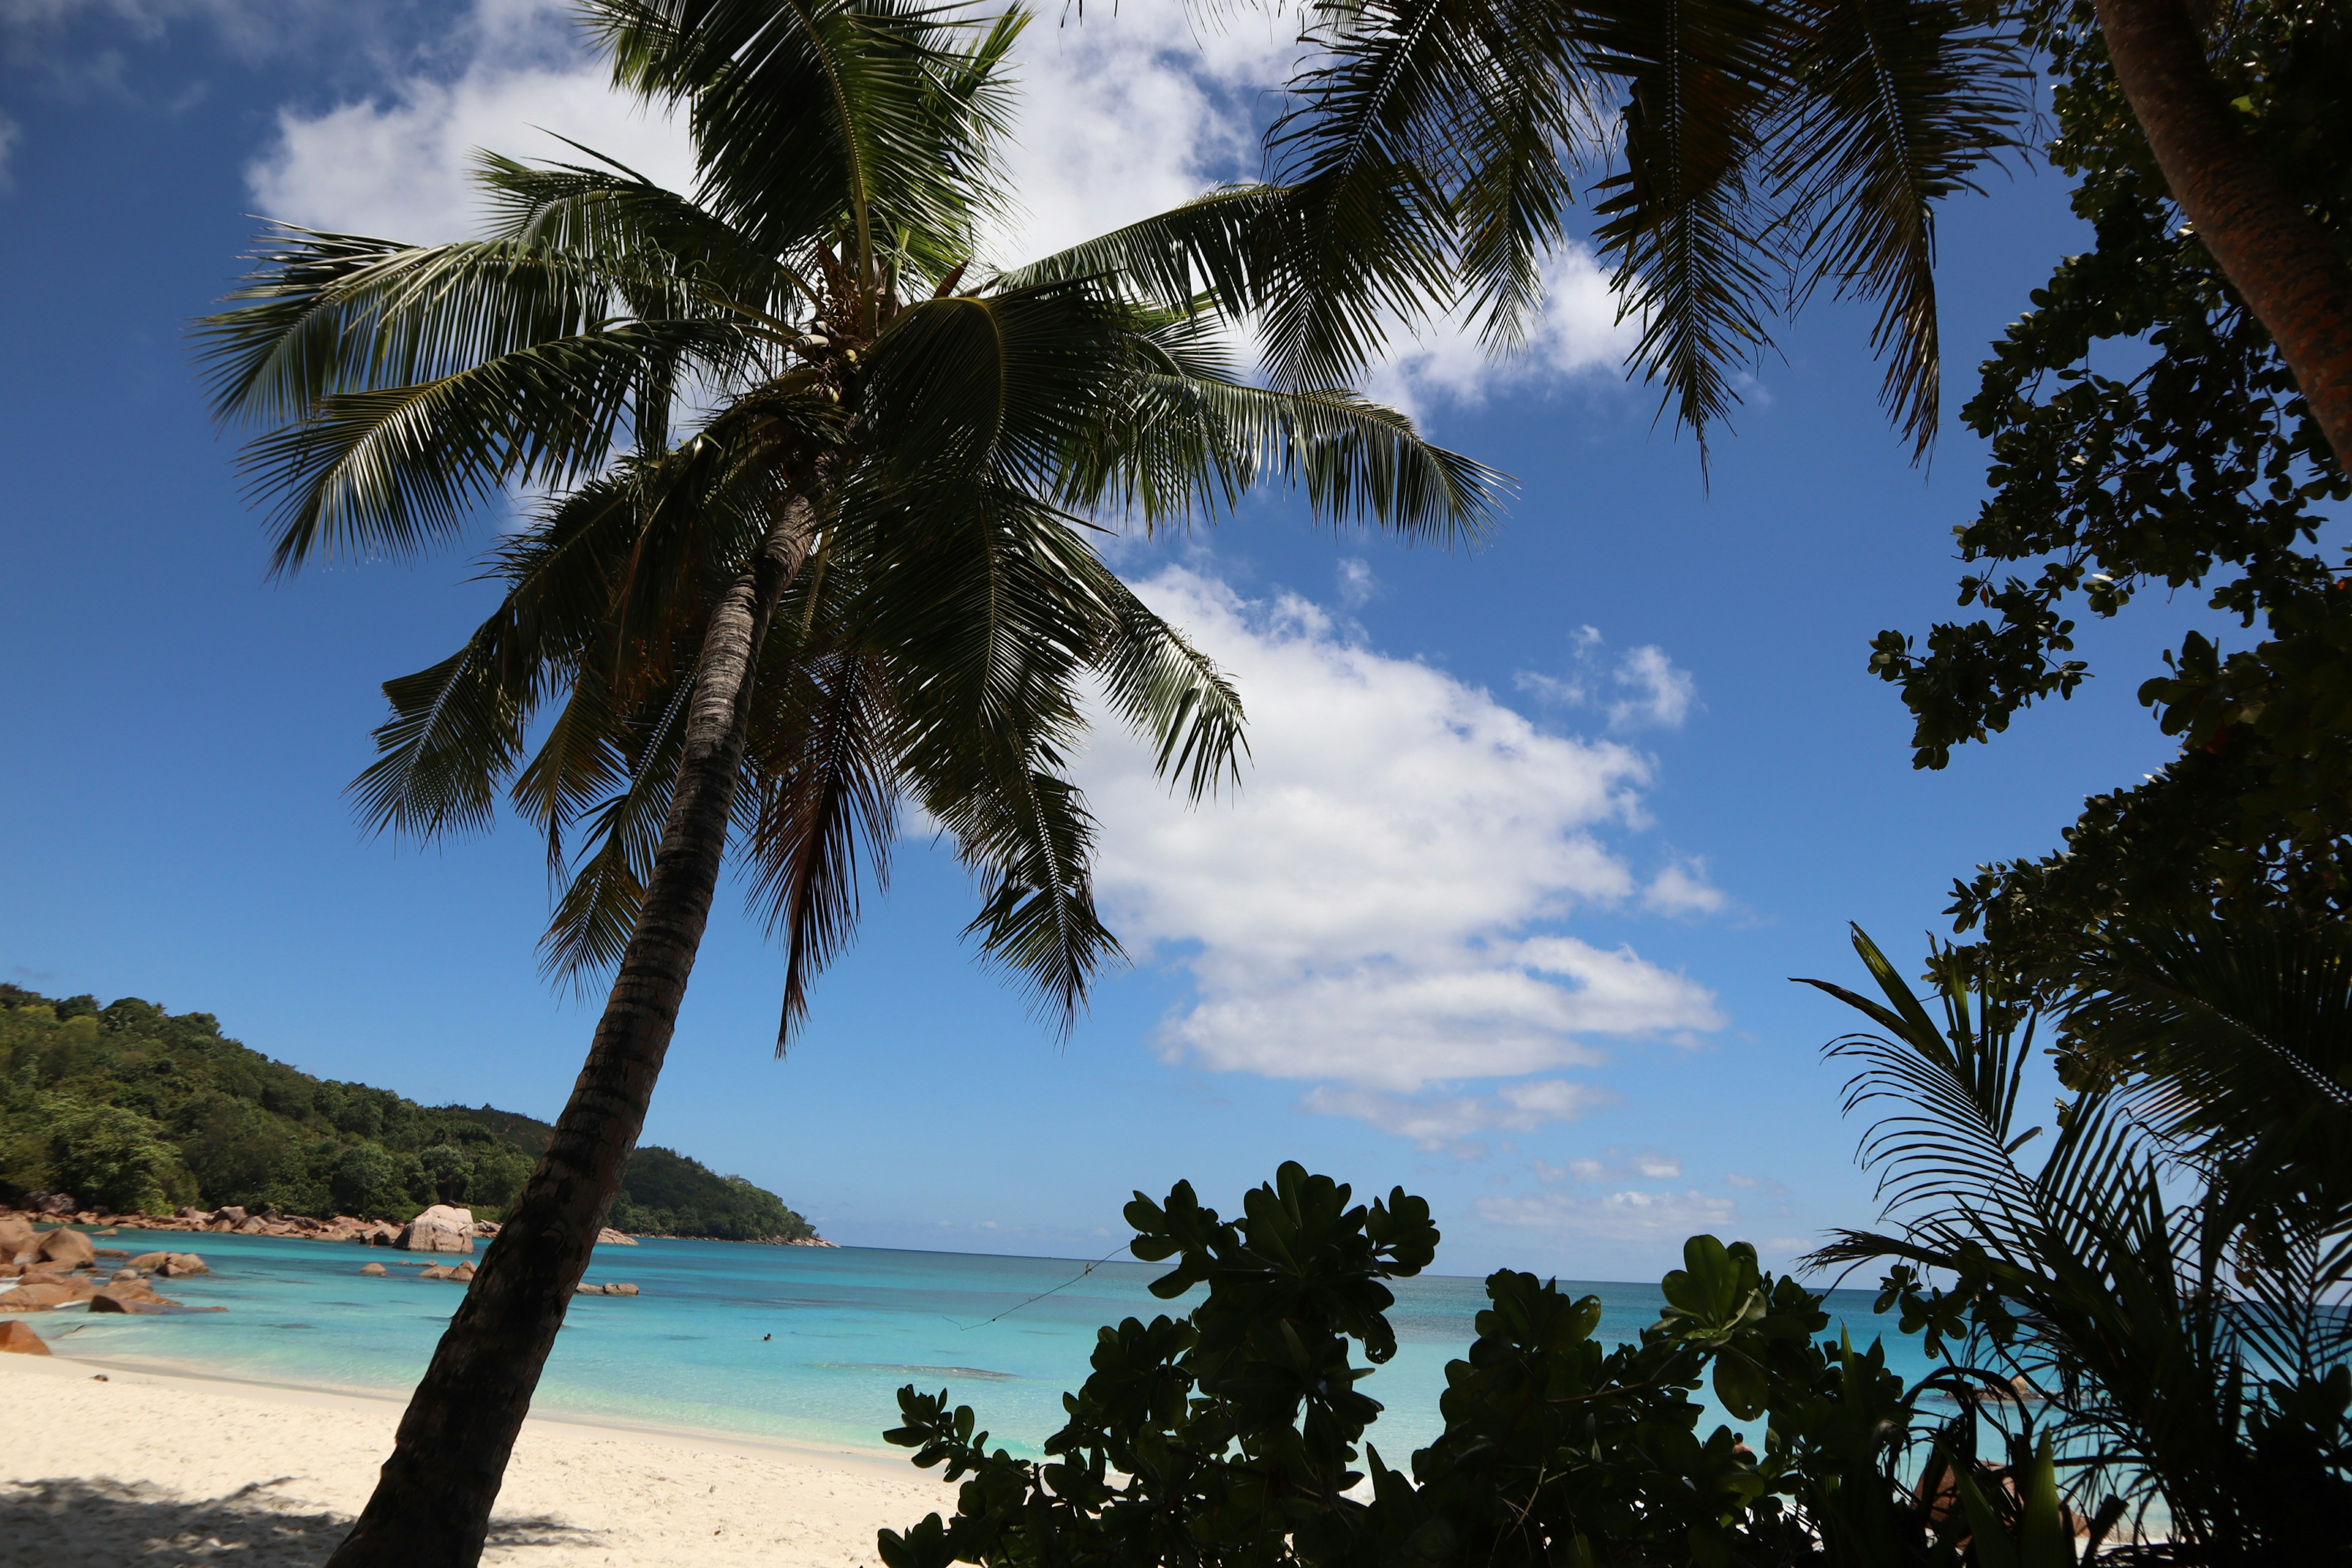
x=141, y=1110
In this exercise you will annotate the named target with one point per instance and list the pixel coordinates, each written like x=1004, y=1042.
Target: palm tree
x=812, y=549
x=2167, y=1302
x=1756, y=151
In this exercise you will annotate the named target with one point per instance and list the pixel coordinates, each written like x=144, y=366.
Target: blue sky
x=1503, y=912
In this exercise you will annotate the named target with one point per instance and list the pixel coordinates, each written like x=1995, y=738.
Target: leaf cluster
x=2156, y=1298
x=1230, y=1434
x=2147, y=438
x=1739, y=154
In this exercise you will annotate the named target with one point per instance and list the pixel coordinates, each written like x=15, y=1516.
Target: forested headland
x=142, y=1110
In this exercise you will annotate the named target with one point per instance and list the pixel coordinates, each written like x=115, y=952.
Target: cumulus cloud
x=1681, y=889
x=1640, y=688
x=1629, y=1215
x=1436, y=1120
x=1574, y=333
x=1367, y=910
x=400, y=164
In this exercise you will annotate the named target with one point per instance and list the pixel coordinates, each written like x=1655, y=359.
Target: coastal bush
x=1230, y=1434
x=106, y=1155
x=2142, y=1333
x=231, y=1126
x=367, y=1182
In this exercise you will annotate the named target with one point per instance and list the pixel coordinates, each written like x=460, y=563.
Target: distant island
x=140, y=1110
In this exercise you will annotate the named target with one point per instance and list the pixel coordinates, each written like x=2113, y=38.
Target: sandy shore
x=150, y=1467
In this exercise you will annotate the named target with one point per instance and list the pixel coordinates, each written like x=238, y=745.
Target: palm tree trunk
x=2281, y=263
x=432, y=1505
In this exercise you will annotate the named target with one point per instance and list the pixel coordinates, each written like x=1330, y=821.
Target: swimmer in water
x=767, y=1337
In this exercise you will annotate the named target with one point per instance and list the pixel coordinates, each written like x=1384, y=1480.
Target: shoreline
x=112, y=1459
x=881, y=1458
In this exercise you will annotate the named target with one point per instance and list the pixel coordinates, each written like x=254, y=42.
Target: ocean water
x=806, y=1345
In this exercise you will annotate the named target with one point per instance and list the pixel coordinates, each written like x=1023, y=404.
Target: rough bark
x=2281, y=263
x=431, y=1504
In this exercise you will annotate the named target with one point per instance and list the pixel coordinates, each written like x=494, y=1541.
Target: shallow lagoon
x=850, y=1326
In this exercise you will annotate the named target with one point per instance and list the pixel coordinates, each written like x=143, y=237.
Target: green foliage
x=915, y=432
x=112, y=1157
x=139, y=1109
x=2147, y=438
x=1229, y=1435
x=2162, y=1279
x=665, y=1194
x=1750, y=153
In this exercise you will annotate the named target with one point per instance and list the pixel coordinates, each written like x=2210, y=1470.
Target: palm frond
x=598, y=908
x=1681, y=221
x=1891, y=108
x=823, y=780
x=1171, y=692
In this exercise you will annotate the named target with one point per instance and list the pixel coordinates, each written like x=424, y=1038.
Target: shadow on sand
x=107, y=1525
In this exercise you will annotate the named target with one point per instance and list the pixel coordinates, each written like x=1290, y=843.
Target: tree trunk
x=2282, y=263
x=432, y=1505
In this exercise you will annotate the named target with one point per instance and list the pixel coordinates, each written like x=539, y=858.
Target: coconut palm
x=811, y=547
x=2166, y=1303
x=1751, y=152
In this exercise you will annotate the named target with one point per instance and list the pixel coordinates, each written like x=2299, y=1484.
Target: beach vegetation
x=2133, y=1316
x=142, y=1110
x=2160, y=1262
x=815, y=550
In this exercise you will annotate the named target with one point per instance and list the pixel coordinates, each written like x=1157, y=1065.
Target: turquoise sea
x=849, y=1326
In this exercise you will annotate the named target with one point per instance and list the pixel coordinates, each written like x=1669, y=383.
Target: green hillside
x=138, y=1108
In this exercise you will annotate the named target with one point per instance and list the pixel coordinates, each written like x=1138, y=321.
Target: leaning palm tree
x=812, y=547
x=2160, y=1291
x=1751, y=152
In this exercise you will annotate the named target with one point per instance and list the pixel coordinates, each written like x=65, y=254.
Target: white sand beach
x=151, y=1468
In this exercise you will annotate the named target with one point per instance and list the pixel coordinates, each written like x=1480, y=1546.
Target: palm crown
x=797, y=348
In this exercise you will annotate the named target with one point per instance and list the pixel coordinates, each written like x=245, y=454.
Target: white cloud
x=9, y=133
x=1365, y=909
x=1357, y=584
x=1641, y=689
x=1128, y=113
x=1625, y=1215
x=1576, y=331
x=1433, y=1122
x=1736, y=1180
x=1682, y=888
x=1611, y=1166
x=400, y=166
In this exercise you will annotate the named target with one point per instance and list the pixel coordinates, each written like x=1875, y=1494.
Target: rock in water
x=437, y=1271
x=441, y=1228
x=608, y=1237
x=463, y=1271
x=17, y=1338
x=375, y=1268
x=44, y=1294
x=65, y=1245
x=148, y=1260
x=623, y=1289
x=588, y=1290
x=178, y=1263
x=16, y=1236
